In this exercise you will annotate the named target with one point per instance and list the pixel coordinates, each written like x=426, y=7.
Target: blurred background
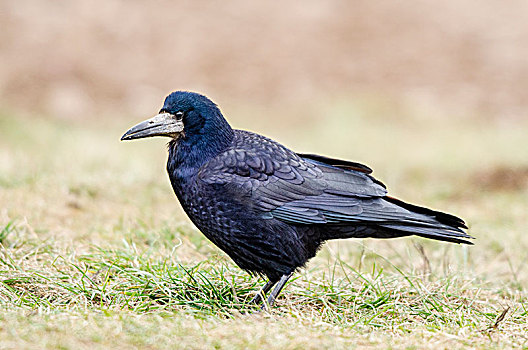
x=88, y=59
x=432, y=95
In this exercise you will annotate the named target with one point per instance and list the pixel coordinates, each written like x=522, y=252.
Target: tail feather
x=399, y=219
x=443, y=218
x=439, y=234
x=448, y=227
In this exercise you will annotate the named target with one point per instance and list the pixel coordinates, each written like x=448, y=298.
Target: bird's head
x=183, y=113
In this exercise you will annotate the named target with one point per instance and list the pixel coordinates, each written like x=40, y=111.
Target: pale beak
x=163, y=124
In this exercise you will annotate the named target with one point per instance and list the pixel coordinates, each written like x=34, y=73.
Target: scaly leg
x=276, y=291
x=262, y=293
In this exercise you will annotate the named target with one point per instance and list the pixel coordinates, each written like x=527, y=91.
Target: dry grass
x=96, y=252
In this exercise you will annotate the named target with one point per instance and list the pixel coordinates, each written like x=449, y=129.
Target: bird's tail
x=400, y=219
x=429, y=223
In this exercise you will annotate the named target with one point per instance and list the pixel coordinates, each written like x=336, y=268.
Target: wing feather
x=312, y=189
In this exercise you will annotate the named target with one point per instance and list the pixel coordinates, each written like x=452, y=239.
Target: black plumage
x=269, y=208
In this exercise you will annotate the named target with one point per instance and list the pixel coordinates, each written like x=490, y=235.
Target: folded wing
x=315, y=190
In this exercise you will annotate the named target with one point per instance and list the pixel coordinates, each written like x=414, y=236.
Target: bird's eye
x=179, y=115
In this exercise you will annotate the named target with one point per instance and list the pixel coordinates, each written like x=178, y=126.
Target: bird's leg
x=275, y=292
x=262, y=293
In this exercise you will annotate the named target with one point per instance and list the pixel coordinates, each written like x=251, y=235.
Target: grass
x=96, y=253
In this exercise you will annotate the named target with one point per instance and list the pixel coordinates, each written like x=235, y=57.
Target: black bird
x=269, y=208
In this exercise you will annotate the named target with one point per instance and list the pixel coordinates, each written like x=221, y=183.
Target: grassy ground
x=97, y=253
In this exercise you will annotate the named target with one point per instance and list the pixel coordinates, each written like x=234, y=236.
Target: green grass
x=96, y=252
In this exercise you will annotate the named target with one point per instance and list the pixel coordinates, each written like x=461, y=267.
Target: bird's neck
x=189, y=152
